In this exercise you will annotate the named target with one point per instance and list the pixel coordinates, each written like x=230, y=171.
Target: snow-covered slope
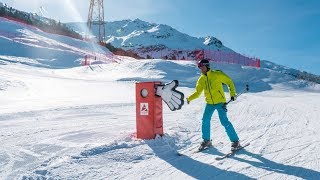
x=158, y=41
x=19, y=41
x=79, y=123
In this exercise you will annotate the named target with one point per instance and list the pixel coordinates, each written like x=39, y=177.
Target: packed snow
x=79, y=122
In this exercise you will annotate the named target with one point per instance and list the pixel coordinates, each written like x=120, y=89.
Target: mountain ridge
x=128, y=34
x=126, y=28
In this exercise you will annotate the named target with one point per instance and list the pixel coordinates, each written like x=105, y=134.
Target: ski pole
x=245, y=90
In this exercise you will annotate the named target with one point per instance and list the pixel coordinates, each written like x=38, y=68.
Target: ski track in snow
x=97, y=141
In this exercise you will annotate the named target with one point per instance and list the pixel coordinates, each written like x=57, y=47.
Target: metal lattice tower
x=96, y=18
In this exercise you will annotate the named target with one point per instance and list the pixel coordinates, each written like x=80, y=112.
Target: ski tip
x=245, y=145
x=232, y=152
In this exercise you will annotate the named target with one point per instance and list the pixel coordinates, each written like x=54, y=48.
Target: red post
x=149, y=120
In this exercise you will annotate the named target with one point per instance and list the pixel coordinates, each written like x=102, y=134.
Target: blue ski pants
x=208, y=112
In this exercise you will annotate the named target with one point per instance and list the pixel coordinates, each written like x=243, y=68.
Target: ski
x=203, y=149
x=193, y=151
x=232, y=152
x=196, y=150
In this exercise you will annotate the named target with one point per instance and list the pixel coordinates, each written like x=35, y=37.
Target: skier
x=211, y=82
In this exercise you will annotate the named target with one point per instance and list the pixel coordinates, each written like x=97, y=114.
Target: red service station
x=149, y=97
x=149, y=120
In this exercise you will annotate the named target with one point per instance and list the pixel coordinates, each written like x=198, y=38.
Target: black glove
x=233, y=98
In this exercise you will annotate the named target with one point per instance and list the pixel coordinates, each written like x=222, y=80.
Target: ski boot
x=205, y=144
x=235, y=145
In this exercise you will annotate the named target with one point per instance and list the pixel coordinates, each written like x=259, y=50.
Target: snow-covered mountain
x=60, y=120
x=150, y=40
x=143, y=39
x=129, y=34
x=154, y=40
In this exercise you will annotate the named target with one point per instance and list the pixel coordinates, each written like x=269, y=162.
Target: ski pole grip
x=245, y=90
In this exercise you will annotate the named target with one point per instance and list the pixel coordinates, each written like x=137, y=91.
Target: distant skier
x=211, y=82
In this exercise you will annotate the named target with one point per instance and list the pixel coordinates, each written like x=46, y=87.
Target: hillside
x=43, y=23
x=60, y=120
x=151, y=40
x=79, y=123
x=139, y=38
x=30, y=45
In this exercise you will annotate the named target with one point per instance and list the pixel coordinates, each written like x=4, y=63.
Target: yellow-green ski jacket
x=212, y=84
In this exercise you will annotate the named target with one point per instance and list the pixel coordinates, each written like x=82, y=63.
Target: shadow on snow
x=195, y=168
x=269, y=165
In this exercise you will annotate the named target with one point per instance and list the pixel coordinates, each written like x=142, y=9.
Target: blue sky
x=286, y=32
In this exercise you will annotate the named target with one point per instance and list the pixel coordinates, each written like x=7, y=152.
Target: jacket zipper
x=209, y=89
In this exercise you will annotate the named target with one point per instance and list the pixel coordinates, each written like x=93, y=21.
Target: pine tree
x=2, y=11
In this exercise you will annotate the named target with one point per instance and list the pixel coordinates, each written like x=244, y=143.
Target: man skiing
x=211, y=82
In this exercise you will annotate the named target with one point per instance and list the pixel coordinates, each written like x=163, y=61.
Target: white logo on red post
x=144, y=109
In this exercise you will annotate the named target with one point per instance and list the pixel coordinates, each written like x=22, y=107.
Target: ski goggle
x=202, y=64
